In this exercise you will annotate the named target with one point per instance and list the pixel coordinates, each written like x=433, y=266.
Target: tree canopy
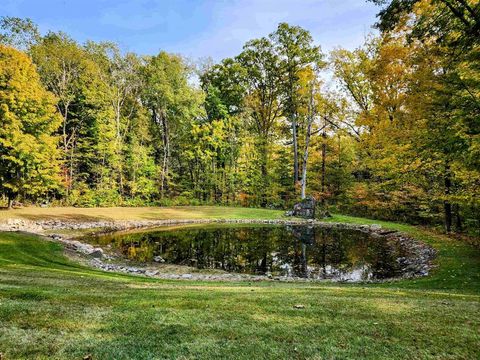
x=28, y=152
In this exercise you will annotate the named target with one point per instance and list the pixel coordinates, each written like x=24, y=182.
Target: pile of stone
x=304, y=209
x=82, y=248
x=118, y=225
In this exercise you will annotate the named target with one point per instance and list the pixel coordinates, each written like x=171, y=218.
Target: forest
x=390, y=130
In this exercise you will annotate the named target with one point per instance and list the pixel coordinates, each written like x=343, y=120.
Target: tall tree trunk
x=458, y=218
x=295, y=150
x=166, y=153
x=264, y=171
x=307, y=143
x=446, y=204
x=120, y=181
x=70, y=171
x=117, y=105
x=324, y=154
x=10, y=200
x=68, y=181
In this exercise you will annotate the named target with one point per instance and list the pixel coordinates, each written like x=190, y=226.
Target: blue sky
x=197, y=28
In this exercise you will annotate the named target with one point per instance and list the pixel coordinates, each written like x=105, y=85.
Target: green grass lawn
x=53, y=308
x=139, y=213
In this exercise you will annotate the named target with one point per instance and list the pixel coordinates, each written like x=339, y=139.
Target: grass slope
x=139, y=213
x=52, y=308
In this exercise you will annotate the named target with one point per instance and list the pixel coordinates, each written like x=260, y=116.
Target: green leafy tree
x=295, y=48
x=262, y=100
x=225, y=88
x=67, y=72
x=172, y=102
x=120, y=82
x=19, y=33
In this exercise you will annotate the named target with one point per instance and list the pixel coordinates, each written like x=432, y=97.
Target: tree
x=352, y=69
x=225, y=88
x=296, y=51
x=262, y=100
x=66, y=71
x=443, y=18
x=121, y=79
x=19, y=33
x=171, y=101
x=449, y=33
x=309, y=96
x=28, y=155
x=378, y=79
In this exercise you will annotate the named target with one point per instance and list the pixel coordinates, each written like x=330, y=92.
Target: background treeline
x=389, y=130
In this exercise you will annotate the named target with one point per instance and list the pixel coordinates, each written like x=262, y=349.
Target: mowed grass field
x=139, y=213
x=52, y=308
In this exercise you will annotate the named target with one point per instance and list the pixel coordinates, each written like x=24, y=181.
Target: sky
x=197, y=28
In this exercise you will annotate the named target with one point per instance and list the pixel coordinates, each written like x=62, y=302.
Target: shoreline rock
x=16, y=224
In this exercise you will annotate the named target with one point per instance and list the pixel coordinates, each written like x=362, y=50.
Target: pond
x=300, y=251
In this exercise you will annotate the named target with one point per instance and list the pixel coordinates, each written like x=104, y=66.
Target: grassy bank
x=52, y=308
x=139, y=213
x=457, y=264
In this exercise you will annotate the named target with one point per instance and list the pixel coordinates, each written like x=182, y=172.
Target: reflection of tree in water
x=303, y=251
x=304, y=236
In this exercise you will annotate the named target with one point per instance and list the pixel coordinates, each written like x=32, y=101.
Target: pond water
x=290, y=251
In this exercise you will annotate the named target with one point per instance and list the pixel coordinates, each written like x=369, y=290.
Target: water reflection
x=292, y=251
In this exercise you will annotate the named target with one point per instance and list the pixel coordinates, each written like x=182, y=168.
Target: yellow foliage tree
x=28, y=120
